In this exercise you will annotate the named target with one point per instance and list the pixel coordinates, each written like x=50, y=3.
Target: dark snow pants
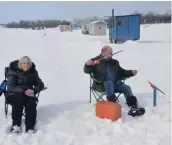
x=20, y=101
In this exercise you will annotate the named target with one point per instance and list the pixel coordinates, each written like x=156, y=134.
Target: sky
x=63, y=10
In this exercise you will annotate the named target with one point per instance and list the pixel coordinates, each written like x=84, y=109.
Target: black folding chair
x=7, y=103
x=3, y=90
x=98, y=90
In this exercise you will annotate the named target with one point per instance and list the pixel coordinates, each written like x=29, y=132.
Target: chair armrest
x=95, y=79
x=125, y=78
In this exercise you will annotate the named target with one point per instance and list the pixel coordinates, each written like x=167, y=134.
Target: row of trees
x=152, y=17
x=148, y=18
x=37, y=24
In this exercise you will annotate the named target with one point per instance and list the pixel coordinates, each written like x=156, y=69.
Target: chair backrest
x=3, y=86
x=6, y=71
x=94, y=79
x=96, y=85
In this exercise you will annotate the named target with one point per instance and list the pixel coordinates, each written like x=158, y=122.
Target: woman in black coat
x=23, y=83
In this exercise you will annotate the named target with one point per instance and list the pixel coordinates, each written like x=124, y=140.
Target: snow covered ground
x=65, y=116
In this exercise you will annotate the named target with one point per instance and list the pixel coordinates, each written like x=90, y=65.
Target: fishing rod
x=105, y=57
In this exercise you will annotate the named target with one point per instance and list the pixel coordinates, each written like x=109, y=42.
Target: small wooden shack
x=97, y=28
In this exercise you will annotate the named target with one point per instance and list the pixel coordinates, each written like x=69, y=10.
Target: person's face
x=26, y=66
x=107, y=51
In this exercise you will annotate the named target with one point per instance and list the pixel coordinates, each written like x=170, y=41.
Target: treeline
x=152, y=17
x=149, y=18
x=39, y=24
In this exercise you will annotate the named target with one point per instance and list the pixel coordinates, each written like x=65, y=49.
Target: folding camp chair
x=3, y=90
x=98, y=90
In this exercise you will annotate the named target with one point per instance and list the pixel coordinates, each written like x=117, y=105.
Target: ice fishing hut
x=97, y=28
x=123, y=28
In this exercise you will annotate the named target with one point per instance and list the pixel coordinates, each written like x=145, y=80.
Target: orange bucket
x=108, y=110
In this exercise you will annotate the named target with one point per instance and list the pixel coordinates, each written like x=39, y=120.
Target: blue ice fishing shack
x=123, y=28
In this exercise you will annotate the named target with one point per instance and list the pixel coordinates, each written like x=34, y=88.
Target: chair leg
x=118, y=97
x=90, y=88
x=6, y=109
x=95, y=95
x=90, y=94
x=100, y=96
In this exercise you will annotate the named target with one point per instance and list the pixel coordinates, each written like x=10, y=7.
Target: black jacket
x=99, y=70
x=19, y=81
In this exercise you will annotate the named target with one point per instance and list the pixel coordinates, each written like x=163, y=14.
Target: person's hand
x=89, y=62
x=134, y=72
x=29, y=92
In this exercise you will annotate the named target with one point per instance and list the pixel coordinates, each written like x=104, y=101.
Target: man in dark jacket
x=23, y=83
x=109, y=72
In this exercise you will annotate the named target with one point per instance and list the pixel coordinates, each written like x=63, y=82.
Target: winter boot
x=112, y=99
x=15, y=129
x=30, y=131
x=135, y=110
